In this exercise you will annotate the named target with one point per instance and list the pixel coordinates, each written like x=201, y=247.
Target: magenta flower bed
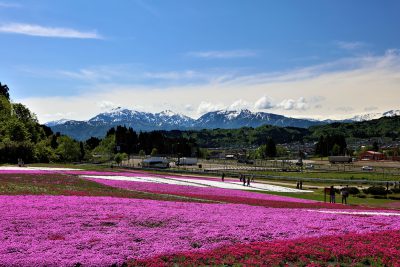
x=378, y=249
x=61, y=230
x=192, y=190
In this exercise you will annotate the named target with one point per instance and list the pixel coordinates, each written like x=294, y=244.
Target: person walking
x=332, y=195
x=248, y=181
x=241, y=177
x=244, y=180
x=223, y=177
x=252, y=178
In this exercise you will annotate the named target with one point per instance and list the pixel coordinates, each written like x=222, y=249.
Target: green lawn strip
x=61, y=184
x=367, y=176
x=318, y=195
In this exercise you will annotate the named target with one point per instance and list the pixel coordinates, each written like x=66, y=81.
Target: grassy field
x=351, y=200
x=367, y=176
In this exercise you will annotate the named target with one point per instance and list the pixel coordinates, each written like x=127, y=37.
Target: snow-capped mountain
x=164, y=120
x=57, y=122
x=375, y=115
x=236, y=119
x=168, y=120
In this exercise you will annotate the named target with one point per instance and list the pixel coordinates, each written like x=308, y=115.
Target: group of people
x=299, y=185
x=344, y=192
x=242, y=178
x=246, y=181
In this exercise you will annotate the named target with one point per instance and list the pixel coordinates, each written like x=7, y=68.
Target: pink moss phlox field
x=183, y=189
x=98, y=231
x=380, y=248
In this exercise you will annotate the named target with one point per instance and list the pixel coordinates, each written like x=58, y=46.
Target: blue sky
x=299, y=58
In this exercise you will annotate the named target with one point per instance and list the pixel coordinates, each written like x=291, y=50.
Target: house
x=372, y=155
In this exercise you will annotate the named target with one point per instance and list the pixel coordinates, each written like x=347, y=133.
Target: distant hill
x=388, y=126
x=168, y=120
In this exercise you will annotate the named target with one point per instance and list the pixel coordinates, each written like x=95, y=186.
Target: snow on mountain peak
x=168, y=113
x=56, y=122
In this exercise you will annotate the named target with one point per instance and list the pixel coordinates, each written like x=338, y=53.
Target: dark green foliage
x=375, y=190
x=353, y=190
x=92, y=142
x=331, y=144
x=383, y=127
x=270, y=148
x=375, y=146
x=21, y=136
x=47, y=130
x=4, y=91
x=11, y=151
x=243, y=137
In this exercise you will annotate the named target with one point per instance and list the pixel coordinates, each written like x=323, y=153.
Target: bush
x=353, y=190
x=375, y=190
x=361, y=196
x=395, y=190
x=394, y=198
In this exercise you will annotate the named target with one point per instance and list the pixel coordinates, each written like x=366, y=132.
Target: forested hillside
x=383, y=127
x=22, y=137
x=243, y=137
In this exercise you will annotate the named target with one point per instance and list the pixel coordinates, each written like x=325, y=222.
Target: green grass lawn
x=351, y=200
x=367, y=176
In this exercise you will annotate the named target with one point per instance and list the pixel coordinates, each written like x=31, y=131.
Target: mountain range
x=168, y=120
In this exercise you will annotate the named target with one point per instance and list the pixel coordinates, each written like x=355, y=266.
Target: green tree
x=5, y=108
x=375, y=146
x=270, y=148
x=336, y=150
x=17, y=131
x=23, y=113
x=142, y=153
x=154, y=152
x=119, y=157
x=4, y=91
x=68, y=150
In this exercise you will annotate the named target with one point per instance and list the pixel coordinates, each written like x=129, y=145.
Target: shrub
x=375, y=190
x=361, y=196
x=353, y=190
x=395, y=190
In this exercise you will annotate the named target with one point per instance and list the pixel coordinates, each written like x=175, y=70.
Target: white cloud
x=205, y=107
x=350, y=45
x=291, y=104
x=43, y=31
x=107, y=105
x=239, y=105
x=173, y=75
x=223, y=54
x=264, y=102
x=189, y=107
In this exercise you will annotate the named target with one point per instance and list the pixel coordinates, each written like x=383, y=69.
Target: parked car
x=367, y=168
x=309, y=166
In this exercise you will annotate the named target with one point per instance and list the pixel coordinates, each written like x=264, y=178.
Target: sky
x=309, y=59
